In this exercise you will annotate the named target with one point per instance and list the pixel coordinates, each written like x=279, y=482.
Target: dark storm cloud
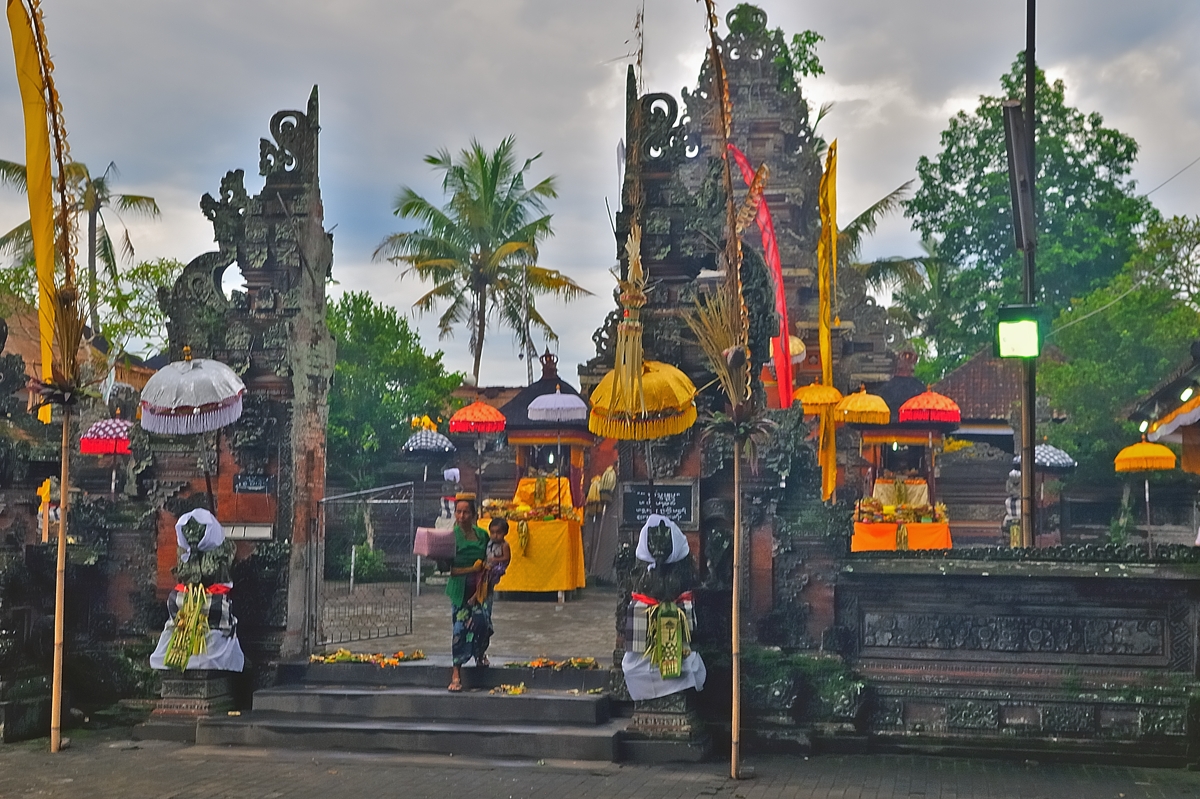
x=177, y=93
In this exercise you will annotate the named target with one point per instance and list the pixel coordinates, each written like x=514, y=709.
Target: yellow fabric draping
x=38, y=180
x=913, y=494
x=553, y=561
x=527, y=487
x=826, y=285
x=886, y=537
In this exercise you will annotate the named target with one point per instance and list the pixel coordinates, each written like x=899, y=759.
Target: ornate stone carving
x=1014, y=634
x=971, y=715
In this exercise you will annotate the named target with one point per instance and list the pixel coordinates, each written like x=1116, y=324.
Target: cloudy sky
x=176, y=93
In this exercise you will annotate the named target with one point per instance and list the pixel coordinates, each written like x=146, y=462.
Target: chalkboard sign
x=251, y=484
x=678, y=500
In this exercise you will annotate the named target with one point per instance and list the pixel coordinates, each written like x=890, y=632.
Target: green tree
x=1117, y=343
x=1088, y=214
x=382, y=378
x=93, y=195
x=480, y=250
x=132, y=317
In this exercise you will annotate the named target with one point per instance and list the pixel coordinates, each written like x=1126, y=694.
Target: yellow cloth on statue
x=887, y=492
x=553, y=561
x=554, y=488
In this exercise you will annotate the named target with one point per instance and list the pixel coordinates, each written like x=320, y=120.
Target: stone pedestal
x=187, y=697
x=667, y=729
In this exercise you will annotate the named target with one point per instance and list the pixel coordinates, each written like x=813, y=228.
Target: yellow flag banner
x=826, y=285
x=38, y=176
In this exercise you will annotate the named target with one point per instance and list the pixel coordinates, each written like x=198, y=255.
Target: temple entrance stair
x=406, y=708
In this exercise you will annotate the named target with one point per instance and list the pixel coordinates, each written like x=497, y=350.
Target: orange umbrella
x=816, y=397
x=478, y=417
x=931, y=407
x=863, y=408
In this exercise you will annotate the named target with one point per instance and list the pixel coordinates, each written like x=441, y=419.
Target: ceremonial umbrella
x=667, y=406
x=558, y=408
x=816, y=397
x=479, y=418
x=1050, y=458
x=428, y=441
x=862, y=408
x=1145, y=457
x=190, y=397
x=930, y=407
x=107, y=437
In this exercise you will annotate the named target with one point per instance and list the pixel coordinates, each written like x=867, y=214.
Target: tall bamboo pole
x=60, y=581
x=736, y=654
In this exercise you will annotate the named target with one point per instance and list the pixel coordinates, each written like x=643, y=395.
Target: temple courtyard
x=105, y=765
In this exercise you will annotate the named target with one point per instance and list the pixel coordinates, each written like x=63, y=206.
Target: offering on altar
x=871, y=510
x=521, y=512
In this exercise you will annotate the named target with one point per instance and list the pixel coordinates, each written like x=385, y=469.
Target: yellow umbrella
x=1145, y=457
x=863, y=408
x=669, y=407
x=816, y=397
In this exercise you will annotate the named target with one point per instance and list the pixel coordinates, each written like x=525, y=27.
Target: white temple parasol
x=558, y=408
x=190, y=397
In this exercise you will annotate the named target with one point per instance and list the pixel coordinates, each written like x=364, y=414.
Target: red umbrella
x=478, y=418
x=106, y=437
x=931, y=407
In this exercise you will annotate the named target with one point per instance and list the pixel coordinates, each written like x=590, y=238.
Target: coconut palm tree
x=480, y=250
x=93, y=195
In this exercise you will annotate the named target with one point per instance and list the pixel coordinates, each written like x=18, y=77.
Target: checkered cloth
x=636, y=622
x=218, y=607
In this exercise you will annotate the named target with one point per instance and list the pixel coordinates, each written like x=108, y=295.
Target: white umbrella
x=190, y=397
x=558, y=407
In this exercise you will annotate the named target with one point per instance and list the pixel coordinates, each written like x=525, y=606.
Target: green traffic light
x=1019, y=339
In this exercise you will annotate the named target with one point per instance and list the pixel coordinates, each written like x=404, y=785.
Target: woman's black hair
x=470, y=502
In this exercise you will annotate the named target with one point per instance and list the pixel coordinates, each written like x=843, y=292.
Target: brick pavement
x=98, y=767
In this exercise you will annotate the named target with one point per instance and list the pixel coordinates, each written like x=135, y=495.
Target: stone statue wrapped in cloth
x=659, y=660
x=201, y=630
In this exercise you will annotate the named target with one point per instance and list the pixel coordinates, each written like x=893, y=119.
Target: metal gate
x=367, y=577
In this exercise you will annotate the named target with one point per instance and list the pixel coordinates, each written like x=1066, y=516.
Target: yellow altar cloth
x=528, y=486
x=552, y=562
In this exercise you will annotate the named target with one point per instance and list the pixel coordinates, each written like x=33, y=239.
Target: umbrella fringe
x=642, y=428
x=191, y=423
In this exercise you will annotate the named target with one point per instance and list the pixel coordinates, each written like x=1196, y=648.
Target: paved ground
x=584, y=626
x=98, y=767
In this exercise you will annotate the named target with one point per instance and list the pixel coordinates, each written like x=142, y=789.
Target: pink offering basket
x=434, y=544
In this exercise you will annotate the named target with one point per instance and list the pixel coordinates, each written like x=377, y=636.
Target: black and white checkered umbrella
x=428, y=441
x=1049, y=458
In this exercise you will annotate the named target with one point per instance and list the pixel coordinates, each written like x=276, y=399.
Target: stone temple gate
x=270, y=465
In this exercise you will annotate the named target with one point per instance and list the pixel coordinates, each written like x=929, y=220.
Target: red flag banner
x=783, y=350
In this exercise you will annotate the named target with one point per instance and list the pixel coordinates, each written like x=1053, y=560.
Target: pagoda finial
x=549, y=365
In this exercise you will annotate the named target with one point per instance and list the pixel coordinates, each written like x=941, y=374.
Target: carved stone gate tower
x=271, y=464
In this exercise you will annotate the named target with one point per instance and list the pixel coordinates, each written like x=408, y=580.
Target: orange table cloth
x=888, y=536
x=553, y=560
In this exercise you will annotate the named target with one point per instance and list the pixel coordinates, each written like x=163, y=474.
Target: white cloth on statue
x=224, y=653
x=679, y=543
x=644, y=681
x=214, y=533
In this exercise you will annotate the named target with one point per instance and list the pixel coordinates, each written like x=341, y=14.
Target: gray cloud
x=177, y=93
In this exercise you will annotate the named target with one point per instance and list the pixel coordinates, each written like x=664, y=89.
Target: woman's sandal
x=482, y=661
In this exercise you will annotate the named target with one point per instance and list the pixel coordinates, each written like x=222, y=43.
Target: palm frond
x=13, y=174
x=850, y=237
x=884, y=274
x=138, y=204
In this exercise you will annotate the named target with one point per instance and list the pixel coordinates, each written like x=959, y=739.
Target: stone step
x=435, y=673
x=417, y=703
x=496, y=740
